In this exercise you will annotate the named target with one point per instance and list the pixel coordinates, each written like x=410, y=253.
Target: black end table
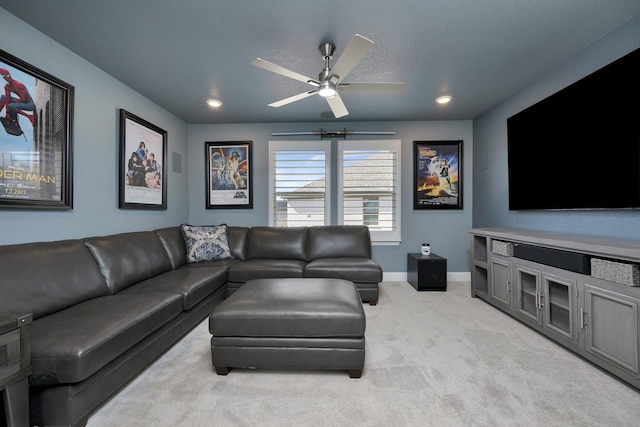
x=427, y=272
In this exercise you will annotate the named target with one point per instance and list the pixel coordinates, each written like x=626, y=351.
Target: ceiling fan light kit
x=329, y=82
x=326, y=89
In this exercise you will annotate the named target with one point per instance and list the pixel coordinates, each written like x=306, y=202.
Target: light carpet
x=432, y=359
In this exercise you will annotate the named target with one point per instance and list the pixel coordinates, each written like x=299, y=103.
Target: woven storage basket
x=502, y=248
x=619, y=272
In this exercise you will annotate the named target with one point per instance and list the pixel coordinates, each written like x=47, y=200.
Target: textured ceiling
x=179, y=53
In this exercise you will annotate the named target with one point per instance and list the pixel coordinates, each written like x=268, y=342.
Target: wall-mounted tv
x=580, y=147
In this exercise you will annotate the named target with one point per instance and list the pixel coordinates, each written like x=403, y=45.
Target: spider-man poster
x=35, y=139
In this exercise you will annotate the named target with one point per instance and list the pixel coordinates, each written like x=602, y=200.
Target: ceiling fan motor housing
x=327, y=50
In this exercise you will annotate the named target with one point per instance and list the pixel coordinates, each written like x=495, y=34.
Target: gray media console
x=579, y=291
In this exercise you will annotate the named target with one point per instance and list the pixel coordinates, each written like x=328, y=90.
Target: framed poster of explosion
x=143, y=180
x=437, y=175
x=35, y=140
x=228, y=175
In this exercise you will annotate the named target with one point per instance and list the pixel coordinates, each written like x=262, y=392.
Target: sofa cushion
x=237, y=241
x=357, y=270
x=266, y=268
x=277, y=243
x=128, y=258
x=206, y=242
x=72, y=344
x=336, y=241
x=192, y=284
x=42, y=278
x=173, y=242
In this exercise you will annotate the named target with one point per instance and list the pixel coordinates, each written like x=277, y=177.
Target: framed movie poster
x=35, y=140
x=228, y=175
x=143, y=148
x=437, y=175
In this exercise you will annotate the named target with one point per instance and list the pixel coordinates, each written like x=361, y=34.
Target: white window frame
x=392, y=237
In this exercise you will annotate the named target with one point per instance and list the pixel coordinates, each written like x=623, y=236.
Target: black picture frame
x=142, y=171
x=36, y=154
x=228, y=175
x=437, y=175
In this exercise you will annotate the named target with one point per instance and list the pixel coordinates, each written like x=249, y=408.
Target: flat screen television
x=580, y=147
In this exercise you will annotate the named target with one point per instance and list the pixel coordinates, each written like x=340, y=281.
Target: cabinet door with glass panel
x=559, y=301
x=529, y=298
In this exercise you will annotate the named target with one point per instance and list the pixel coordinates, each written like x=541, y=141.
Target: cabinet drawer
x=9, y=354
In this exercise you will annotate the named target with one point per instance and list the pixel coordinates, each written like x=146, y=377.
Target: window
x=298, y=183
x=365, y=186
x=368, y=183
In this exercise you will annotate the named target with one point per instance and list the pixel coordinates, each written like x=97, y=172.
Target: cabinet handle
x=537, y=300
x=541, y=299
x=582, y=313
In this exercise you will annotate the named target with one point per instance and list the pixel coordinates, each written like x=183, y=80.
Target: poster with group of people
x=143, y=151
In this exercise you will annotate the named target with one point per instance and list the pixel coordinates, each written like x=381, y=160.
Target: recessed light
x=443, y=99
x=214, y=103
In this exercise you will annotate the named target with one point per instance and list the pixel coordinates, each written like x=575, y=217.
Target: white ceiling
x=179, y=53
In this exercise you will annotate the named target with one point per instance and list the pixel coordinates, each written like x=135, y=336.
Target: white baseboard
x=461, y=276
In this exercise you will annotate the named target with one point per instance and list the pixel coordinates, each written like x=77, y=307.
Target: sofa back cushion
x=46, y=277
x=338, y=241
x=238, y=241
x=277, y=243
x=173, y=242
x=128, y=258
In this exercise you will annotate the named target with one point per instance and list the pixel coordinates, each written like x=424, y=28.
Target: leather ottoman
x=294, y=323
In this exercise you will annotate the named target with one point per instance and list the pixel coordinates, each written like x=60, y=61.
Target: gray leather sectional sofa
x=104, y=308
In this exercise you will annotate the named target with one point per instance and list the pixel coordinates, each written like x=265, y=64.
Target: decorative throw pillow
x=206, y=243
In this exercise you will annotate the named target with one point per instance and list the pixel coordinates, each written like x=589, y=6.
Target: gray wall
x=98, y=98
x=490, y=207
x=446, y=230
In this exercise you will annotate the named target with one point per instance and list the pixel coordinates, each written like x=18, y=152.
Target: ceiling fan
x=330, y=80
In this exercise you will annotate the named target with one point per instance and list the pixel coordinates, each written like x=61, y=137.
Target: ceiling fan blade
x=293, y=98
x=270, y=66
x=337, y=106
x=373, y=88
x=357, y=48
